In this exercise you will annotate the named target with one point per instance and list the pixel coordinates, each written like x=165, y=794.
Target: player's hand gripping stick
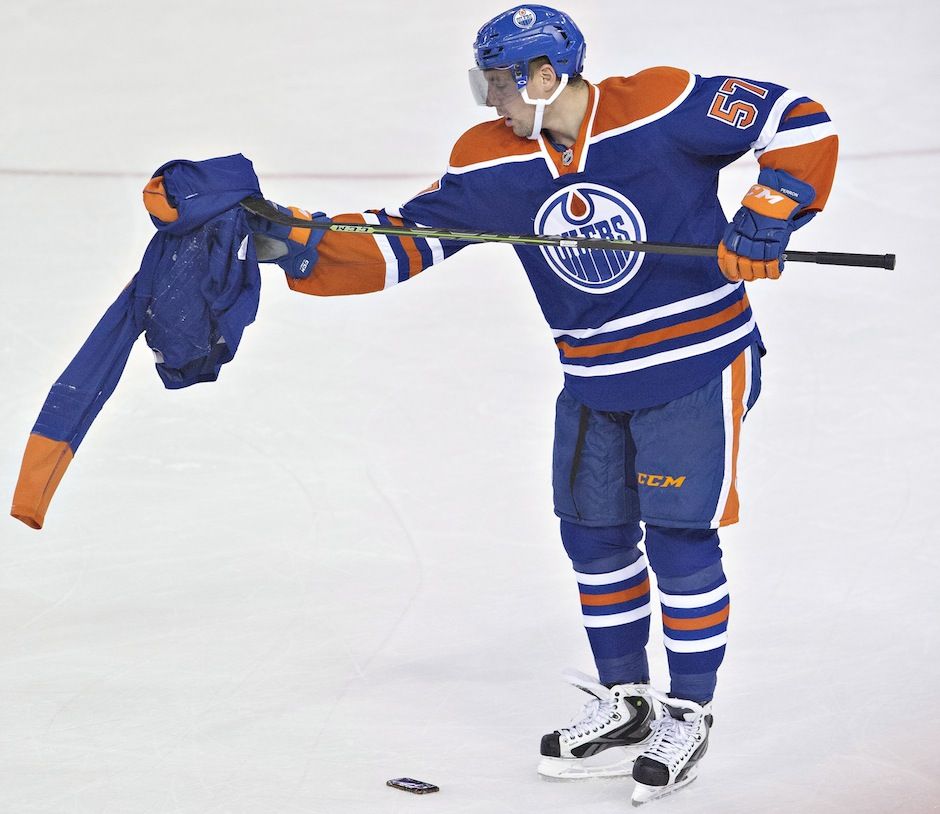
x=754, y=243
x=292, y=247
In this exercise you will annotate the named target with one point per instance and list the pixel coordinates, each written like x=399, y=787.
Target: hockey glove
x=754, y=242
x=294, y=249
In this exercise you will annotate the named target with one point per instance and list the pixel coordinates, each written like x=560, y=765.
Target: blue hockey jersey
x=196, y=291
x=632, y=329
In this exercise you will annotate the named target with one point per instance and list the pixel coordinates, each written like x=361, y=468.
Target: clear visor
x=493, y=88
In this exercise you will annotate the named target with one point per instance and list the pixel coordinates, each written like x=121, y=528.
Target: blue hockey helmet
x=514, y=38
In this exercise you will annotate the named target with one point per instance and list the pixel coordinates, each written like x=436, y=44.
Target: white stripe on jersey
x=437, y=250
x=612, y=576
x=391, y=262
x=695, y=645
x=690, y=304
x=748, y=377
x=494, y=162
x=787, y=98
x=614, y=619
x=590, y=129
x=663, y=358
x=799, y=136
x=686, y=601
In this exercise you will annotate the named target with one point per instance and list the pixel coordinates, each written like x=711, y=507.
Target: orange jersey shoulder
x=489, y=141
x=629, y=99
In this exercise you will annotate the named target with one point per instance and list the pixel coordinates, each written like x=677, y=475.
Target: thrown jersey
x=632, y=329
x=197, y=289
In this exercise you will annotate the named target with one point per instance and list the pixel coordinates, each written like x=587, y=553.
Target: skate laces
x=596, y=713
x=673, y=739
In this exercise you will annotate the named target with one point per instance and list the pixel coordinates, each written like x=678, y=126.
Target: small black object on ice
x=412, y=785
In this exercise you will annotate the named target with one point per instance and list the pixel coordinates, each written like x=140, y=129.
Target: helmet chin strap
x=541, y=104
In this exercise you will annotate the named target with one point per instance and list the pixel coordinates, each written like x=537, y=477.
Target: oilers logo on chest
x=593, y=211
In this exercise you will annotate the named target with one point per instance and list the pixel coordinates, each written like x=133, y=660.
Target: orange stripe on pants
x=738, y=383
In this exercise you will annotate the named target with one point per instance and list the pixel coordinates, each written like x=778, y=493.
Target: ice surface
x=339, y=564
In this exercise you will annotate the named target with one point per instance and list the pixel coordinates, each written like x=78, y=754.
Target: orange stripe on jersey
x=700, y=623
x=489, y=141
x=415, y=263
x=44, y=464
x=652, y=337
x=738, y=382
x=814, y=163
x=597, y=600
x=804, y=109
x=626, y=99
x=347, y=264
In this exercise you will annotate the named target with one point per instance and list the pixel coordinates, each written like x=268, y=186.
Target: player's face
x=500, y=87
x=502, y=93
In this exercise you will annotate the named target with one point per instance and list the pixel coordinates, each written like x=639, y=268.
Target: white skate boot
x=612, y=730
x=679, y=741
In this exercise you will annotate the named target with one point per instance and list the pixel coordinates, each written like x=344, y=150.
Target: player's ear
x=547, y=77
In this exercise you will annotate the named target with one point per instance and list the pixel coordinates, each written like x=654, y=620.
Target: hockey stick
x=263, y=209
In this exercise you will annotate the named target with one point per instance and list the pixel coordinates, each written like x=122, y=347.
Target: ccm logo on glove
x=769, y=202
x=754, y=242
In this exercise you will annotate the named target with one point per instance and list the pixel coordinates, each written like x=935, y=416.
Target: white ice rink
x=339, y=564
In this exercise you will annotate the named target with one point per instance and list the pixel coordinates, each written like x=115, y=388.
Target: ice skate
x=678, y=742
x=611, y=731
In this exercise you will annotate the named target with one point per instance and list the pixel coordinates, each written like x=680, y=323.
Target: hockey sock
x=695, y=603
x=615, y=601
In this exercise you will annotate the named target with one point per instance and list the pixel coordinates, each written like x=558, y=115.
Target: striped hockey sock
x=614, y=587
x=695, y=629
x=693, y=594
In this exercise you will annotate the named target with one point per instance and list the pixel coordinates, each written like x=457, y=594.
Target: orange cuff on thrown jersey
x=769, y=202
x=44, y=464
x=156, y=201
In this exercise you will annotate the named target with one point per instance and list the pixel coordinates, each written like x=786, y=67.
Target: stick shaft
x=260, y=207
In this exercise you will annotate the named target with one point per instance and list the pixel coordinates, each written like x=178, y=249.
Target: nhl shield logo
x=593, y=211
x=524, y=18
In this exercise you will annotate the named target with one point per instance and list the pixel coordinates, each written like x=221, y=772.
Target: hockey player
x=661, y=354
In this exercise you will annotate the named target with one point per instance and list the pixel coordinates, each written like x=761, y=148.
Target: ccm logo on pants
x=662, y=481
